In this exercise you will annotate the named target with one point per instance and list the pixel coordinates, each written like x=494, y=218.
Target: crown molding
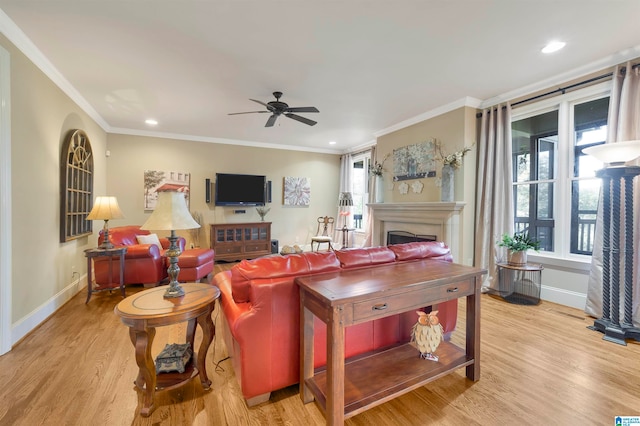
x=29, y=49
x=192, y=138
x=463, y=102
x=560, y=79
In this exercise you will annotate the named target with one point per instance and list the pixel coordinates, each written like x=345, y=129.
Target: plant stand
x=520, y=284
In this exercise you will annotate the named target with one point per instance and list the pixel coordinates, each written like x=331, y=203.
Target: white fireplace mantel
x=441, y=219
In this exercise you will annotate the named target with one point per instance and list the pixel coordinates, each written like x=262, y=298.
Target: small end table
x=105, y=252
x=148, y=309
x=345, y=236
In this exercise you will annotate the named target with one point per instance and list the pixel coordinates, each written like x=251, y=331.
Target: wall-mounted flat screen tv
x=240, y=190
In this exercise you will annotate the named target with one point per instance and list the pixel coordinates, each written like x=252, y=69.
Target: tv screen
x=240, y=190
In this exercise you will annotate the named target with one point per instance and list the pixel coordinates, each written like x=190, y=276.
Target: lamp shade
x=615, y=153
x=105, y=208
x=171, y=213
x=345, y=199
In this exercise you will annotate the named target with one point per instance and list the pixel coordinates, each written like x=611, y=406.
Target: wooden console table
x=148, y=309
x=346, y=298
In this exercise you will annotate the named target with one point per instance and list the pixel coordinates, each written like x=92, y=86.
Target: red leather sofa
x=143, y=264
x=261, y=313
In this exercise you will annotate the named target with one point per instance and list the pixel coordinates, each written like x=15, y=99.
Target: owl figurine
x=427, y=333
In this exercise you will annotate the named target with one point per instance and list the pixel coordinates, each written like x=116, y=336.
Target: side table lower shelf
x=375, y=378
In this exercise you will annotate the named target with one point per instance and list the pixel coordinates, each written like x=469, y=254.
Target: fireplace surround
x=441, y=219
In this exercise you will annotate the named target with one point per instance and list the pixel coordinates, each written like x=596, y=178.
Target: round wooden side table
x=148, y=309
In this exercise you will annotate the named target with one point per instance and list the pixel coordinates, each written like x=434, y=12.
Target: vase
x=379, y=189
x=446, y=190
x=517, y=258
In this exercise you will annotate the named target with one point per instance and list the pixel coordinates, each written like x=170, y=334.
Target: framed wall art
x=415, y=161
x=296, y=191
x=157, y=181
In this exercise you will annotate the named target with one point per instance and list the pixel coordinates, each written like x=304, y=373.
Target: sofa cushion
x=421, y=250
x=149, y=239
x=292, y=265
x=361, y=257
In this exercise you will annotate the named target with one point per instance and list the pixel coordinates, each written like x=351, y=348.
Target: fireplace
x=439, y=219
x=399, y=237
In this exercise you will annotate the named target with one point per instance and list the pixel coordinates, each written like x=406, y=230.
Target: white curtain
x=494, y=191
x=368, y=236
x=623, y=125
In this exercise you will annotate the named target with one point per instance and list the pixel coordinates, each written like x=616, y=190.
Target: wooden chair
x=323, y=235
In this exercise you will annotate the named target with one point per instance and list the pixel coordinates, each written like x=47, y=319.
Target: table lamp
x=105, y=208
x=171, y=214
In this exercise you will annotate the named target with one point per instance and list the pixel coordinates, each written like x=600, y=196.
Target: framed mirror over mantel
x=76, y=186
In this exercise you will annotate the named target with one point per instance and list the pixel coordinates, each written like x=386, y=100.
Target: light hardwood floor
x=540, y=365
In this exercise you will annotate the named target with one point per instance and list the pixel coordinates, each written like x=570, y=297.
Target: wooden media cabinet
x=237, y=241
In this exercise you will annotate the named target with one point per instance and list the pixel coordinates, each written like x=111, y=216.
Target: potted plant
x=517, y=246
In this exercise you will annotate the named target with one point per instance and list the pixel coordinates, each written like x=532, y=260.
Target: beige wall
x=132, y=155
x=41, y=116
x=454, y=130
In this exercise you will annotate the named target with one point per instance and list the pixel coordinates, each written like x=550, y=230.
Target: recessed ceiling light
x=332, y=143
x=553, y=46
x=151, y=122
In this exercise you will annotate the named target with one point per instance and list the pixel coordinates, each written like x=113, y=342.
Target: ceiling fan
x=277, y=108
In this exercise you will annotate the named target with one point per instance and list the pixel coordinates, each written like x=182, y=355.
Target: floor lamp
x=171, y=214
x=617, y=192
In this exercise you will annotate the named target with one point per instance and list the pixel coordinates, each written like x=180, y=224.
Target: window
x=360, y=189
x=555, y=190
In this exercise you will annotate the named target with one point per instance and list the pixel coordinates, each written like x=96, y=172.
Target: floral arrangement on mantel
x=454, y=160
x=377, y=168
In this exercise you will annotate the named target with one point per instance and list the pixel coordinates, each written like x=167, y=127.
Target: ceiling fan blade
x=271, y=121
x=303, y=109
x=262, y=103
x=248, y=112
x=302, y=119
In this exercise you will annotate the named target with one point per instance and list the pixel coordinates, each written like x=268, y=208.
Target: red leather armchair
x=143, y=264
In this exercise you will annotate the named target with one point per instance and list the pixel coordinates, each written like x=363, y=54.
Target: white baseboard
x=563, y=297
x=25, y=325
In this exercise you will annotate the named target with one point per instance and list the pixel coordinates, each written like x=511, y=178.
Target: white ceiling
x=368, y=66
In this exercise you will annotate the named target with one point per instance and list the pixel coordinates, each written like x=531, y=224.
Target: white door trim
x=5, y=201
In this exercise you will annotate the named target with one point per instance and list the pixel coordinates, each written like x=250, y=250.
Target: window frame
x=364, y=156
x=565, y=160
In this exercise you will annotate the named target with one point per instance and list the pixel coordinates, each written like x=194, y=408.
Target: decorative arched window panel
x=76, y=186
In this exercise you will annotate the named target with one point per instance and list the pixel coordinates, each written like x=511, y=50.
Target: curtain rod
x=563, y=90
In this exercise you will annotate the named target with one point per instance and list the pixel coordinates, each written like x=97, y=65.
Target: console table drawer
x=388, y=305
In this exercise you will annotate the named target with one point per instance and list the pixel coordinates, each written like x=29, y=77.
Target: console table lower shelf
x=379, y=377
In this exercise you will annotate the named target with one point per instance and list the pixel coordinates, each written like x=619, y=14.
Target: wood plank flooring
x=540, y=365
